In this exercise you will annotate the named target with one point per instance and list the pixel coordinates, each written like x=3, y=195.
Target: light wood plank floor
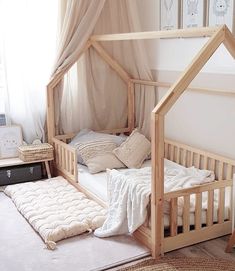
x=211, y=249
x=214, y=249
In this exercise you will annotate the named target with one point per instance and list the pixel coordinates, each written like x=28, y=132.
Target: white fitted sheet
x=97, y=183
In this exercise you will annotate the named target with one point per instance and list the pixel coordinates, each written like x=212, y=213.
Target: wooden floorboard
x=210, y=249
x=213, y=249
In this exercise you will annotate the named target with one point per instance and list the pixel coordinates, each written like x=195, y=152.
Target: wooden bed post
x=229, y=42
x=50, y=113
x=131, y=106
x=157, y=196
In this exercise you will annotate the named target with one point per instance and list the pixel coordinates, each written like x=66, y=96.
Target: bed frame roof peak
x=217, y=36
x=221, y=36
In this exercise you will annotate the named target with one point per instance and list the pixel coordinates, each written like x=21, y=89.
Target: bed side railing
x=218, y=210
x=65, y=161
x=218, y=215
x=66, y=156
x=188, y=156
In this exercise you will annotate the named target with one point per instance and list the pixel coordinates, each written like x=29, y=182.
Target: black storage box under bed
x=20, y=174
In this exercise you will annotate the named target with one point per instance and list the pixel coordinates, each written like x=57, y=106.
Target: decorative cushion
x=98, y=156
x=87, y=136
x=134, y=150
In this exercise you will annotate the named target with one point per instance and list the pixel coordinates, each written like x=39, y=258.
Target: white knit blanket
x=55, y=209
x=129, y=193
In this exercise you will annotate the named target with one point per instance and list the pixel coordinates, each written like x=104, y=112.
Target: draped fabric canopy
x=93, y=95
x=78, y=19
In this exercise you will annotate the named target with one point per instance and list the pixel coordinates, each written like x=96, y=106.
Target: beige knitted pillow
x=98, y=156
x=134, y=150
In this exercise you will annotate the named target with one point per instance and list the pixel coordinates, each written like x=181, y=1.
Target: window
x=2, y=87
x=27, y=48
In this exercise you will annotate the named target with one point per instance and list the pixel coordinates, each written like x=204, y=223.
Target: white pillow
x=98, y=156
x=87, y=135
x=134, y=150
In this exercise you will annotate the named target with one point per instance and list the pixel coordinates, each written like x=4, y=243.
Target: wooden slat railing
x=188, y=156
x=65, y=159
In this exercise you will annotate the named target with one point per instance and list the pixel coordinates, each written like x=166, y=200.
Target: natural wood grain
x=173, y=216
x=229, y=41
x=209, y=249
x=198, y=189
x=193, y=69
x=210, y=208
x=186, y=213
x=179, y=33
x=17, y=161
x=48, y=169
x=63, y=151
x=50, y=114
x=198, y=211
x=221, y=205
x=167, y=85
x=231, y=243
x=193, y=237
x=131, y=106
x=157, y=185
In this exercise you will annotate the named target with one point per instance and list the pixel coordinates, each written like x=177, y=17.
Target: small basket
x=35, y=152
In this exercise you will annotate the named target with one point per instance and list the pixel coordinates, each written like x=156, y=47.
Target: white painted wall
x=201, y=120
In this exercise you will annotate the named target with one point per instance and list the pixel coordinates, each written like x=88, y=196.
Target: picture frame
x=193, y=13
x=169, y=14
x=10, y=139
x=221, y=12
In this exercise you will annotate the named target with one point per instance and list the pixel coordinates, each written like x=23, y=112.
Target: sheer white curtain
x=28, y=33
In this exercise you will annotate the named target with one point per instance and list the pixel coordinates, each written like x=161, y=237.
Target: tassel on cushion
x=51, y=245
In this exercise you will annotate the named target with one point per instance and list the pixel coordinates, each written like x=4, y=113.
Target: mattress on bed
x=97, y=184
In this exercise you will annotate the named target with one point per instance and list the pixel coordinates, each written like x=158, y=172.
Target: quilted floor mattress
x=56, y=209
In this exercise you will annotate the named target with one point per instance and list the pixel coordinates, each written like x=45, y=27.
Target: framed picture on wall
x=221, y=12
x=193, y=13
x=10, y=139
x=169, y=14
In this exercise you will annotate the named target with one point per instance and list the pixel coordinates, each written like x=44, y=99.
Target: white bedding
x=97, y=184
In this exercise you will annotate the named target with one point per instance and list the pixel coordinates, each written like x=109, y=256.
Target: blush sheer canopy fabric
x=92, y=95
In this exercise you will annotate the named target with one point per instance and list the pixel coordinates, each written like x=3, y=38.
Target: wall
x=202, y=120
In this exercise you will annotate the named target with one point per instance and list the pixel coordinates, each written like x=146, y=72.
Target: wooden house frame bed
x=66, y=158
